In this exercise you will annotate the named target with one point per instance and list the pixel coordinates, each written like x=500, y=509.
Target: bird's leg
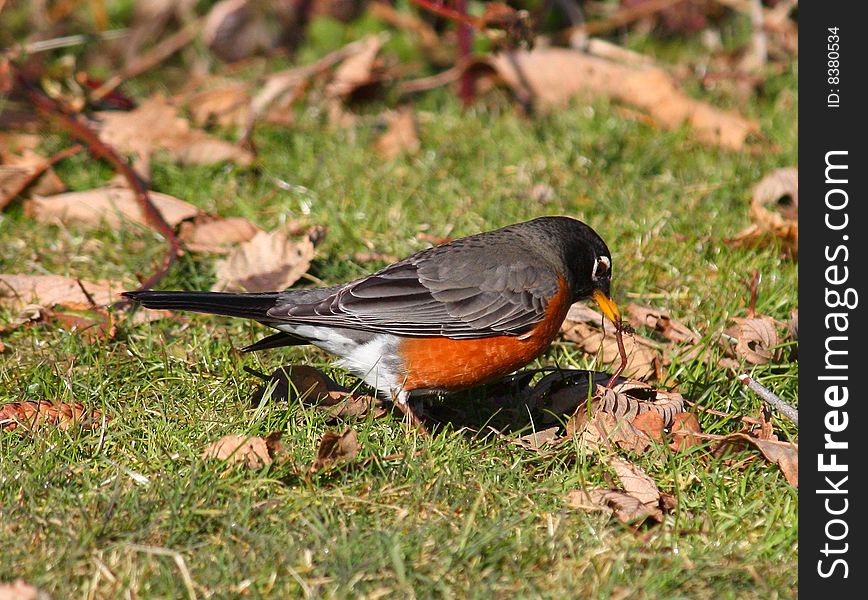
x=402, y=401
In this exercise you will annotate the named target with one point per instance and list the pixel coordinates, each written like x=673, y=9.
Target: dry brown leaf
x=660, y=322
x=216, y=235
x=684, y=428
x=110, y=206
x=604, y=430
x=783, y=454
x=549, y=77
x=401, y=135
x=774, y=212
x=226, y=105
x=33, y=415
x=16, y=169
x=537, y=440
x=635, y=481
x=356, y=70
x=335, y=448
x=650, y=423
x=17, y=291
x=754, y=339
x=624, y=506
x=156, y=125
x=269, y=262
x=252, y=452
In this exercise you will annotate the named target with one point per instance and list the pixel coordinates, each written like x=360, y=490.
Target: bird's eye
x=602, y=266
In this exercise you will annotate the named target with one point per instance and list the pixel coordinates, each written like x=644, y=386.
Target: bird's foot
x=402, y=401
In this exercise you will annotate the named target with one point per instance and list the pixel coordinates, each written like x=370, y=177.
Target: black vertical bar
x=832, y=346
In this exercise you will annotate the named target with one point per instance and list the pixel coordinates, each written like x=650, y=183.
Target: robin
x=447, y=318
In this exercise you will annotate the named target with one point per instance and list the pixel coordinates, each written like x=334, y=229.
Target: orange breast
x=447, y=364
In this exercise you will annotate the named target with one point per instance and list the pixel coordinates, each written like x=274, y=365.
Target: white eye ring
x=606, y=264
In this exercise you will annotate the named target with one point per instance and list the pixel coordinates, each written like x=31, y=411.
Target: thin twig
x=465, y=49
x=457, y=15
x=770, y=398
x=150, y=59
x=49, y=110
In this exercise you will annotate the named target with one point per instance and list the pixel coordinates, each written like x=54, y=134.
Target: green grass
x=463, y=515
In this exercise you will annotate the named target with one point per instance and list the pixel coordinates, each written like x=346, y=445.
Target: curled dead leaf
x=752, y=340
x=335, y=448
x=635, y=481
x=268, y=262
x=774, y=212
x=783, y=454
x=33, y=415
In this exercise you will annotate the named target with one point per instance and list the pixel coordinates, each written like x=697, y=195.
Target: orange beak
x=607, y=306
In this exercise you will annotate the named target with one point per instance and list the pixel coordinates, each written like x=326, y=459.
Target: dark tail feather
x=276, y=341
x=249, y=306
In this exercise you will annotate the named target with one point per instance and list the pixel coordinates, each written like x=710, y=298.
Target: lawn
x=132, y=509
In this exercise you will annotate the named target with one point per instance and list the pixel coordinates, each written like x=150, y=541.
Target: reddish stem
x=50, y=110
x=465, y=48
x=458, y=14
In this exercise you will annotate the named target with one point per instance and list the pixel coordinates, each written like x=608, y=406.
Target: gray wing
x=458, y=292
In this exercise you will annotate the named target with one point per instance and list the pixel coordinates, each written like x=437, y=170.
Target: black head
x=585, y=258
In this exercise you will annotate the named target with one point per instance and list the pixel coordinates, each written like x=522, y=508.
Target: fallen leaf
x=536, y=440
x=661, y=323
x=625, y=507
x=17, y=291
x=216, y=235
x=335, y=448
x=751, y=339
x=16, y=170
x=237, y=29
x=225, y=103
x=268, y=262
x=357, y=69
x=650, y=423
x=401, y=135
x=156, y=125
x=774, y=212
x=251, y=451
x=109, y=206
x=684, y=428
x=603, y=430
x=549, y=77
x=635, y=481
x=33, y=415
x=783, y=454
x=355, y=72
